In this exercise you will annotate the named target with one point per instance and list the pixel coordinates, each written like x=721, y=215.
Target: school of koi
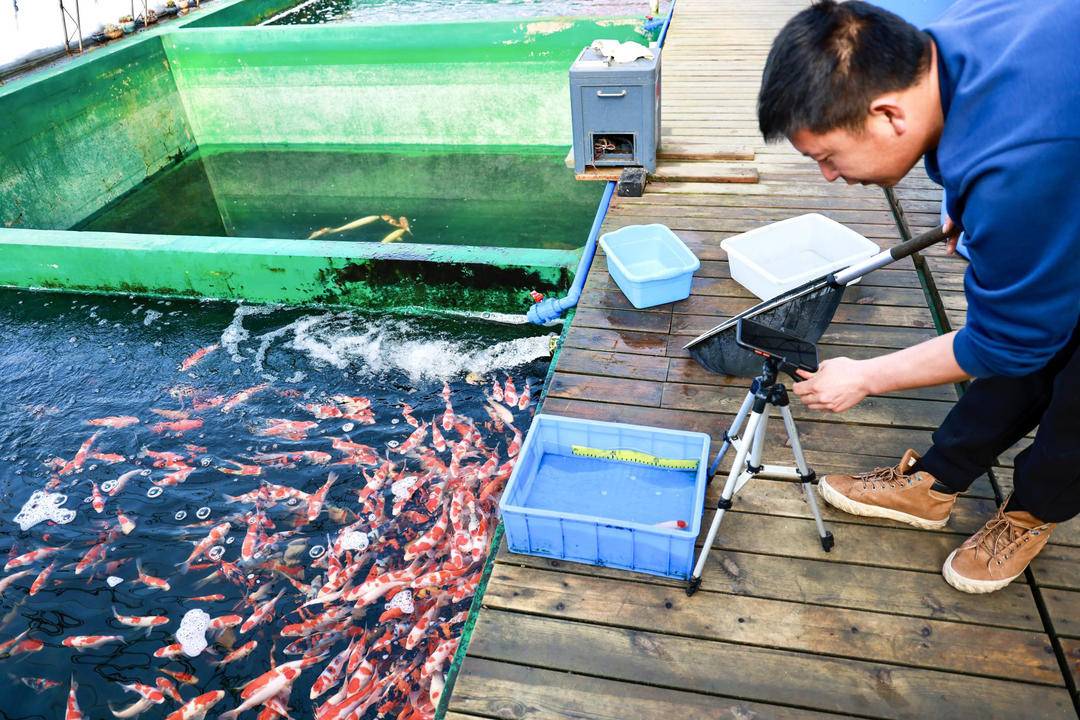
x=375, y=619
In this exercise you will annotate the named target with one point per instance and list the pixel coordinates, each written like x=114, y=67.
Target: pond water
x=500, y=197
x=371, y=12
x=317, y=485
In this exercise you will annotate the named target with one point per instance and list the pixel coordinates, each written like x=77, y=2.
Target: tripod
x=764, y=392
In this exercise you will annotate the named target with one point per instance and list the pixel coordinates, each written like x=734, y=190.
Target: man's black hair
x=830, y=61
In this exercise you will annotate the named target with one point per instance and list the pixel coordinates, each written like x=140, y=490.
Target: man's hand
x=839, y=384
x=954, y=235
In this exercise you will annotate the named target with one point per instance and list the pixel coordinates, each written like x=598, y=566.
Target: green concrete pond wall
x=83, y=134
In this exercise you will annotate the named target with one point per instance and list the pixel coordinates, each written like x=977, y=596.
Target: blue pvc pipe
x=670, y=14
x=552, y=308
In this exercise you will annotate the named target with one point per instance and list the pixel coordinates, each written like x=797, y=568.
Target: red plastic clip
x=536, y=297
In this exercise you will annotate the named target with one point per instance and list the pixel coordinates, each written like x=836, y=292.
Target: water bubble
x=180, y=514
x=316, y=551
x=205, y=461
x=292, y=502
x=347, y=427
x=87, y=499
x=202, y=513
x=113, y=581
x=216, y=552
x=393, y=443
x=154, y=492
x=229, y=540
x=394, y=421
x=108, y=485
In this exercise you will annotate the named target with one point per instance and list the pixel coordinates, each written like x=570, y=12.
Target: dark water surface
x=508, y=197
x=66, y=359
x=372, y=12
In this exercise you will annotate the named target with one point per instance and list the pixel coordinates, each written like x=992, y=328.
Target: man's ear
x=887, y=108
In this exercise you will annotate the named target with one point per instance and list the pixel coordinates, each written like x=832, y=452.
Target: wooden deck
x=780, y=629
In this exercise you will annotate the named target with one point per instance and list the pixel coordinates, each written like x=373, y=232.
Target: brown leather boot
x=894, y=493
x=998, y=553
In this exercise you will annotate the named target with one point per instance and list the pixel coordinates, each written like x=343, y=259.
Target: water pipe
x=552, y=308
x=667, y=22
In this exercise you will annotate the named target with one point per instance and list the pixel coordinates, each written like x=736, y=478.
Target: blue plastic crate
x=650, y=264
x=606, y=512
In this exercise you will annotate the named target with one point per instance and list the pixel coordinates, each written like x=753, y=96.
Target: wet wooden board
x=780, y=628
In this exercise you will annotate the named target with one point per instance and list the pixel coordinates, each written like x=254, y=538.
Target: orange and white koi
x=263, y=613
x=28, y=645
x=166, y=686
x=243, y=396
x=147, y=692
x=315, y=502
x=168, y=460
x=177, y=427
x=208, y=403
x=437, y=439
x=216, y=597
x=289, y=459
x=92, y=557
x=323, y=412
x=79, y=460
x=97, y=501
x=526, y=396
x=501, y=412
x=34, y=556
x=87, y=642
x=108, y=458
x=197, y=708
x=6, y=582
x=331, y=674
x=510, y=392
x=214, y=537
x=269, y=685
x=515, y=445
x=9, y=644
x=288, y=429
x=225, y=621
x=72, y=711
x=141, y=621
x=42, y=578
x=169, y=651
x=414, y=440
x=176, y=477
x=496, y=389
x=194, y=358
x=179, y=676
x=127, y=525
x=149, y=580
x=114, y=421
x=239, y=653
x=240, y=469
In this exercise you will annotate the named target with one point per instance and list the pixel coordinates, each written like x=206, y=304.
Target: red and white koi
x=34, y=556
x=288, y=429
x=239, y=653
x=72, y=711
x=92, y=557
x=177, y=427
x=197, y=708
x=176, y=477
x=141, y=621
x=107, y=458
x=7, y=582
x=263, y=613
x=171, y=414
x=315, y=502
x=97, y=500
x=180, y=676
x=510, y=392
x=496, y=389
x=166, y=686
x=134, y=710
x=127, y=525
x=169, y=651
x=42, y=578
x=216, y=535
x=147, y=692
x=243, y=396
x=331, y=674
x=413, y=441
x=115, y=422
x=87, y=642
x=79, y=460
x=149, y=580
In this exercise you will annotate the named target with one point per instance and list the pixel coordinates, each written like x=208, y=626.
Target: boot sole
x=968, y=585
x=842, y=502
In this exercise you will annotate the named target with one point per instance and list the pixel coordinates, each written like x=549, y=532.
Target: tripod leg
x=724, y=504
x=733, y=432
x=807, y=476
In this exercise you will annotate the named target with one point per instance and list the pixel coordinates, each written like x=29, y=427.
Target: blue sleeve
x=1021, y=215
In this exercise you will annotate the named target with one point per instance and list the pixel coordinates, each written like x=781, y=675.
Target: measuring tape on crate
x=634, y=456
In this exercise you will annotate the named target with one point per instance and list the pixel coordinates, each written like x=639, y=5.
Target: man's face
x=875, y=156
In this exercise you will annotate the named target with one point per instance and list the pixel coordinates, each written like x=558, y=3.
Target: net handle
x=887, y=257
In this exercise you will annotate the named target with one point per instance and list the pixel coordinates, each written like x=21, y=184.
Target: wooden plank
x=1064, y=609
x=676, y=171
x=856, y=634
x=617, y=365
x=831, y=584
x=756, y=674
x=586, y=387
x=506, y=690
x=687, y=151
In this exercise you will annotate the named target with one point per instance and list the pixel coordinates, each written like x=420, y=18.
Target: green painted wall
x=239, y=12
x=76, y=138
x=462, y=83
x=287, y=271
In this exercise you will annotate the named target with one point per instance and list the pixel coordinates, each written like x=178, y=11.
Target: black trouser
x=996, y=412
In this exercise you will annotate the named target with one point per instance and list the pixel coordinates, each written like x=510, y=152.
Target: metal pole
x=78, y=24
x=63, y=21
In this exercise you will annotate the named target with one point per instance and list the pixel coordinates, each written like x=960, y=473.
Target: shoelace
x=887, y=476
x=999, y=536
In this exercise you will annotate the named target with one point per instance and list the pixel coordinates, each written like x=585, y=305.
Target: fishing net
x=804, y=312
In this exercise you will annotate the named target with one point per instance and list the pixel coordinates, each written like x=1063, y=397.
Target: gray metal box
x=616, y=111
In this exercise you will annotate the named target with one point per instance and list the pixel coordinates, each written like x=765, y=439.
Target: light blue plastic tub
x=650, y=264
x=606, y=512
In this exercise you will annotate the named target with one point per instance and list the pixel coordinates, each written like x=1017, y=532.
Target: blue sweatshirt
x=1009, y=159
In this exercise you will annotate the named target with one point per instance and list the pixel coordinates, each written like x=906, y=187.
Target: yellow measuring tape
x=633, y=456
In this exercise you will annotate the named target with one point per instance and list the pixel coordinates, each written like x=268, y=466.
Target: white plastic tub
x=777, y=257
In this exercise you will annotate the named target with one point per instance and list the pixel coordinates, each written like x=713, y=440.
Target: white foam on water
x=354, y=540
x=192, y=632
x=151, y=316
x=113, y=581
x=403, y=601
x=236, y=333
x=42, y=506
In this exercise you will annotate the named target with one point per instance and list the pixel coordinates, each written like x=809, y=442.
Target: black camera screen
x=775, y=343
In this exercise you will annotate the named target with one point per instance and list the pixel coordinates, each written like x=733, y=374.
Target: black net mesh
x=805, y=314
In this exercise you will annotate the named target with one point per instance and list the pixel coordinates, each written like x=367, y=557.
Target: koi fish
x=123, y=480
x=315, y=502
x=331, y=674
x=191, y=360
x=263, y=613
x=171, y=414
x=141, y=621
x=288, y=429
x=147, y=692
x=115, y=422
x=323, y=412
x=526, y=396
x=7, y=582
x=500, y=410
x=216, y=597
x=214, y=537
x=243, y=396
x=437, y=439
x=25, y=646
x=225, y=621
x=197, y=708
x=183, y=677
x=169, y=651
x=134, y=710
x=414, y=440
x=393, y=236
x=240, y=469
x=39, y=684
x=72, y=711
x=34, y=556
x=515, y=445
x=79, y=460
x=127, y=525
x=110, y=458
x=42, y=578
x=269, y=685
x=166, y=686
x=96, y=499
x=177, y=426
x=87, y=642
x=149, y=580
x=176, y=477
x=239, y=653
x=168, y=460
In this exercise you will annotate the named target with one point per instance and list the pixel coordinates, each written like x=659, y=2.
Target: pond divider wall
x=86, y=133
